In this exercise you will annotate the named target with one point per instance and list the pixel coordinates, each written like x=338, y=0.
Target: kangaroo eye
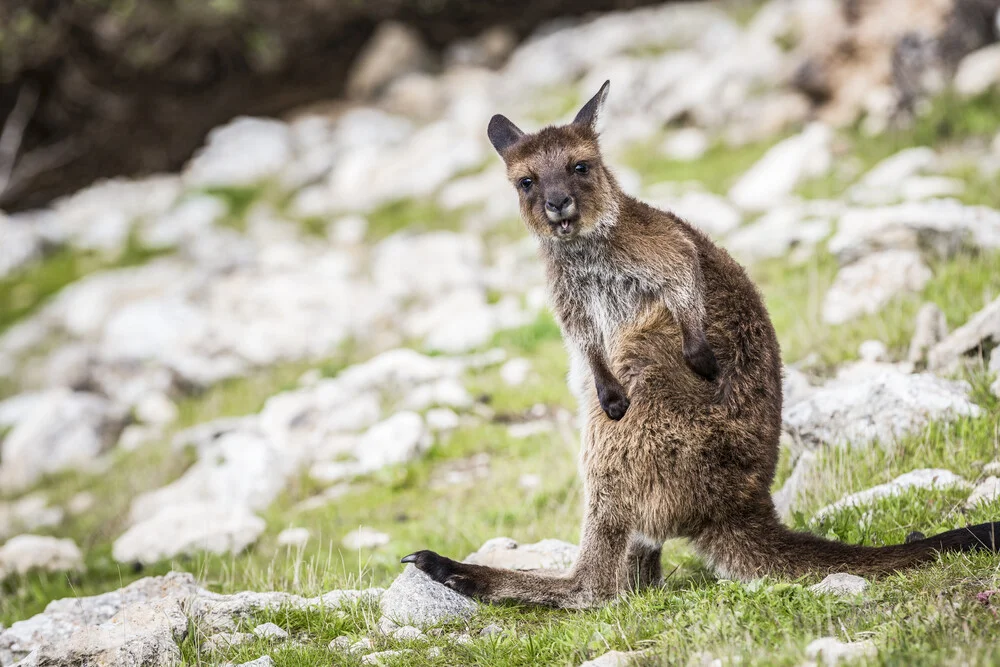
x=582, y=167
x=525, y=184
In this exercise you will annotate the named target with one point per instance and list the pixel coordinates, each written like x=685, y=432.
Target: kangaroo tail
x=762, y=545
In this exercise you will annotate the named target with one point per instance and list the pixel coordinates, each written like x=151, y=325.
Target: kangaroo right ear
x=502, y=133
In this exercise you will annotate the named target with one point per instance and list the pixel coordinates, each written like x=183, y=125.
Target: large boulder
x=53, y=431
x=862, y=288
x=27, y=553
x=884, y=405
x=188, y=528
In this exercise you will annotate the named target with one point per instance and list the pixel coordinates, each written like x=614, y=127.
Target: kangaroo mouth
x=564, y=227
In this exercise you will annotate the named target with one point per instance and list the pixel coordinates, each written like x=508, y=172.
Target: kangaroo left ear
x=591, y=111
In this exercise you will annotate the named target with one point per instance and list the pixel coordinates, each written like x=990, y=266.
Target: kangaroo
x=643, y=297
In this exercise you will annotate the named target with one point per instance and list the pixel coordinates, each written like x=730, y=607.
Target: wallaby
x=642, y=297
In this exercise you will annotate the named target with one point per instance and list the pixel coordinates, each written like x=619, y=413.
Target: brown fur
x=689, y=458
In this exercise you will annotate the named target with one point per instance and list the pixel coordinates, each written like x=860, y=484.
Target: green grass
x=960, y=286
x=24, y=291
x=717, y=170
x=411, y=216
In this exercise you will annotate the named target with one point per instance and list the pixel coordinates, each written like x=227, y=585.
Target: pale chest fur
x=606, y=291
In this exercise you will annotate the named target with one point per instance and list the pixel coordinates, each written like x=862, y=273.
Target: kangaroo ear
x=502, y=133
x=591, y=111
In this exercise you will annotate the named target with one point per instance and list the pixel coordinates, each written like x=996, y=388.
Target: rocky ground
x=235, y=396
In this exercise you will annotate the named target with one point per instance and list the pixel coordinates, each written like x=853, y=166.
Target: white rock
x=242, y=469
x=363, y=645
x=25, y=553
x=863, y=287
x=243, y=152
x=685, y=145
x=546, y=554
x=782, y=168
x=447, y=392
x=349, y=230
x=794, y=225
x=293, y=537
x=341, y=643
x=883, y=406
x=81, y=502
x=20, y=244
x=393, y=50
x=986, y=491
x=262, y=661
x=407, y=633
x=441, y=419
x=529, y=481
x=708, y=212
x=992, y=468
x=930, y=328
x=882, y=183
x=156, y=409
x=183, y=224
x=842, y=584
x=225, y=641
x=270, y=631
x=978, y=72
x=61, y=430
x=527, y=429
x=427, y=265
x=918, y=188
x=982, y=330
x=832, y=651
x=491, y=630
x=382, y=657
x=364, y=538
x=27, y=514
x=615, y=659
x=137, y=436
x=416, y=599
x=924, y=478
x=942, y=225
x=398, y=439
x=873, y=351
x=186, y=529
x=786, y=499
x=515, y=371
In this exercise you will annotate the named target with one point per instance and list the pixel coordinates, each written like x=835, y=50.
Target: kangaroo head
x=564, y=187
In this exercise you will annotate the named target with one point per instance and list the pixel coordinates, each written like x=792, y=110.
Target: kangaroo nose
x=558, y=205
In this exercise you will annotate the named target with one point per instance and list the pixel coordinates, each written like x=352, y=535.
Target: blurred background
x=268, y=314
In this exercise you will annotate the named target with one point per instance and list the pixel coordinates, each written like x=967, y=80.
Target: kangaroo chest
x=608, y=296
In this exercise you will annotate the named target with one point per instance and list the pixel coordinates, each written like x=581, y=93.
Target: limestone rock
x=986, y=491
x=929, y=329
x=924, y=478
x=416, y=599
x=787, y=497
x=782, y=168
x=224, y=641
x=270, y=631
x=841, y=584
x=364, y=538
x=394, y=50
x=26, y=553
x=832, y=651
x=978, y=72
x=58, y=429
x=76, y=616
x=262, y=661
x=381, y=657
x=543, y=555
x=863, y=287
x=293, y=537
x=186, y=529
x=27, y=514
x=884, y=405
x=942, y=226
x=981, y=332
x=243, y=152
x=615, y=659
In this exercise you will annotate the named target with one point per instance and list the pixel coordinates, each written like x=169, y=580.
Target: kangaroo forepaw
x=613, y=400
x=701, y=359
x=456, y=576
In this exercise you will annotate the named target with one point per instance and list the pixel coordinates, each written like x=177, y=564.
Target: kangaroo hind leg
x=600, y=573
